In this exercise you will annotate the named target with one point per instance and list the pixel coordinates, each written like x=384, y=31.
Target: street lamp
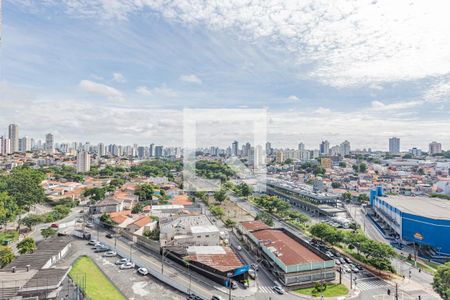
x=229, y=275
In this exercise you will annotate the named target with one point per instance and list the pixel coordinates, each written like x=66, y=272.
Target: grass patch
x=98, y=287
x=8, y=235
x=332, y=290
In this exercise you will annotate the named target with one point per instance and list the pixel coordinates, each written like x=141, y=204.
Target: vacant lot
x=96, y=286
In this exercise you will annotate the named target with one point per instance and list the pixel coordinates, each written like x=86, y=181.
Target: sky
x=123, y=71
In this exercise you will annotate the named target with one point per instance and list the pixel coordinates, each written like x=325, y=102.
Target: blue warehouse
x=420, y=221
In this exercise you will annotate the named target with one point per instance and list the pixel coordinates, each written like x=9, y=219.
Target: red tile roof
x=254, y=225
x=222, y=262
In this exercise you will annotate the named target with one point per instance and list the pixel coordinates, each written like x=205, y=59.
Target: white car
x=128, y=265
x=110, y=254
x=278, y=289
x=239, y=247
x=143, y=271
x=122, y=261
x=92, y=242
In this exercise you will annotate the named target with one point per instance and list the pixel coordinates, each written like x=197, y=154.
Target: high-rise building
x=159, y=151
x=435, y=148
x=325, y=148
x=150, y=150
x=13, y=135
x=83, y=162
x=234, y=148
x=25, y=144
x=394, y=145
x=5, y=146
x=101, y=149
x=268, y=148
x=344, y=148
x=49, y=143
x=301, y=147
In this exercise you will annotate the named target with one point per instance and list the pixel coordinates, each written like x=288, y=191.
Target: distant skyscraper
x=83, y=162
x=301, y=147
x=13, y=135
x=268, y=148
x=235, y=148
x=150, y=150
x=5, y=146
x=325, y=148
x=435, y=148
x=49, y=143
x=101, y=149
x=24, y=144
x=344, y=148
x=394, y=145
x=159, y=151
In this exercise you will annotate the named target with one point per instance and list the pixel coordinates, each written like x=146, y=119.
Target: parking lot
x=133, y=285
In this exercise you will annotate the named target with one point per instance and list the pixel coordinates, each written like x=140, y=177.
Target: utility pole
x=351, y=280
x=340, y=275
x=229, y=275
x=396, y=291
x=162, y=259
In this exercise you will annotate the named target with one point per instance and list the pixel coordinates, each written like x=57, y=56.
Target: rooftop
x=428, y=207
x=288, y=250
x=254, y=225
x=220, y=258
x=204, y=228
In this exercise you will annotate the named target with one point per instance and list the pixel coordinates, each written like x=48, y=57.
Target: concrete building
x=293, y=261
x=394, y=145
x=5, y=146
x=422, y=221
x=13, y=135
x=235, y=148
x=25, y=144
x=435, y=148
x=345, y=148
x=49, y=143
x=83, y=162
x=324, y=148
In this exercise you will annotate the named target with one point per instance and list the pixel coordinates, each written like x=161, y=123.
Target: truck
x=81, y=234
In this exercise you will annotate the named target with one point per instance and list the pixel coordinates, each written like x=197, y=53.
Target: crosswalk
x=266, y=290
x=371, y=284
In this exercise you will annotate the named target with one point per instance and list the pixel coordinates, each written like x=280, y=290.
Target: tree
x=363, y=198
x=137, y=208
x=347, y=196
x=48, y=232
x=106, y=220
x=24, y=186
x=220, y=195
x=343, y=164
x=362, y=167
x=95, y=193
x=31, y=220
x=144, y=192
x=8, y=208
x=244, y=189
x=6, y=256
x=27, y=245
x=265, y=218
x=217, y=210
x=441, y=281
x=335, y=185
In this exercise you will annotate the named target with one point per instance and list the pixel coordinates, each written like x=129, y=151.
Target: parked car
x=239, y=247
x=122, y=261
x=110, y=254
x=128, y=265
x=342, y=260
x=254, y=267
x=337, y=261
x=109, y=236
x=252, y=274
x=54, y=225
x=101, y=249
x=215, y=297
x=92, y=242
x=143, y=271
x=348, y=260
x=194, y=297
x=89, y=225
x=278, y=289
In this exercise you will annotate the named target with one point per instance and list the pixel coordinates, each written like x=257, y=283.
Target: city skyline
x=77, y=78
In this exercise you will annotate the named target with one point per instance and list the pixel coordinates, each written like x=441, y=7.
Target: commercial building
x=49, y=143
x=5, y=146
x=324, y=148
x=394, y=145
x=293, y=261
x=421, y=221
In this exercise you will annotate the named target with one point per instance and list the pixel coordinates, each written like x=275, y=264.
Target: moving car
x=278, y=289
x=239, y=247
x=143, y=271
x=216, y=298
x=54, y=225
x=127, y=265
x=109, y=236
x=254, y=267
x=92, y=242
x=101, y=249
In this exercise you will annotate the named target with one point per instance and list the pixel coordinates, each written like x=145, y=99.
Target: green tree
x=31, y=220
x=362, y=167
x=343, y=164
x=335, y=185
x=24, y=186
x=137, y=208
x=347, y=196
x=145, y=192
x=220, y=195
x=48, y=232
x=363, y=198
x=6, y=256
x=8, y=208
x=441, y=281
x=95, y=193
x=27, y=245
x=265, y=217
x=243, y=189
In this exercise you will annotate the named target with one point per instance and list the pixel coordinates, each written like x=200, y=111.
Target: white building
x=83, y=162
x=5, y=146
x=49, y=143
x=13, y=135
x=394, y=145
x=344, y=148
x=25, y=144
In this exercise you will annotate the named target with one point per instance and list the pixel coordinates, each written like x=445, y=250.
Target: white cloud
x=381, y=106
x=118, y=77
x=191, y=78
x=438, y=92
x=160, y=91
x=323, y=111
x=101, y=89
x=293, y=98
x=346, y=42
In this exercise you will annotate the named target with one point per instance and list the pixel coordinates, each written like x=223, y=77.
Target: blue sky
x=122, y=71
